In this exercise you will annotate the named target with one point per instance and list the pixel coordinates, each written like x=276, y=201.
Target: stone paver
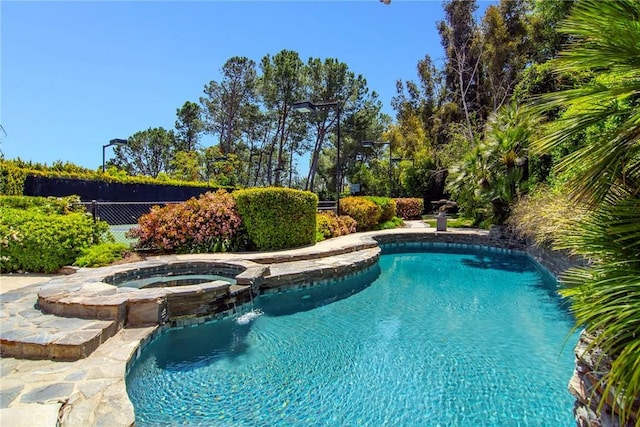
x=47, y=336
x=30, y=415
x=92, y=391
x=11, y=282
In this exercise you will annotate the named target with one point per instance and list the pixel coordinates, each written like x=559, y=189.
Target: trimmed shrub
x=12, y=179
x=37, y=242
x=278, y=218
x=366, y=213
x=207, y=224
x=46, y=205
x=409, y=208
x=388, y=206
x=102, y=254
x=330, y=225
x=14, y=172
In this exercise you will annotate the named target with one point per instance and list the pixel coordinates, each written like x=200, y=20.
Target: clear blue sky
x=76, y=74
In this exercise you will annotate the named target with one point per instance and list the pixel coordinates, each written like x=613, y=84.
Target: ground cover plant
x=453, y=221
x=101, y=254
x=394, y=222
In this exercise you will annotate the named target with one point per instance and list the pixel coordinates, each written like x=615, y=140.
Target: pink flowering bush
x=409, y=207
x=207, y=224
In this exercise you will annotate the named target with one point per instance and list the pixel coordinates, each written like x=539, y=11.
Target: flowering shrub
x=366, y=213
x=328, y=225
x=207, y=224
x=409, y=208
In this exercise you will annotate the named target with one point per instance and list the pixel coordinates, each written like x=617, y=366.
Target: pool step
x=29, y=333
x=294, y=273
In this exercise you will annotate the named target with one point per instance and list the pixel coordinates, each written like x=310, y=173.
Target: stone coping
x=93, y=293
x=92, y=391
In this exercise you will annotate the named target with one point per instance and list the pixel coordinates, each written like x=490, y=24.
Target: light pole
x=116, y=141
x=308, y=107
x=369, y=144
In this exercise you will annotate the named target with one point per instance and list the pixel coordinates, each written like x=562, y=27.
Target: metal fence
x=121, y=216
x=118, y=213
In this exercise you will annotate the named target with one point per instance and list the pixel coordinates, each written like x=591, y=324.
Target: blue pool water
x=421, y=339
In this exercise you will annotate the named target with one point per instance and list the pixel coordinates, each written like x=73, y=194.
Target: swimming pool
x=451, y=338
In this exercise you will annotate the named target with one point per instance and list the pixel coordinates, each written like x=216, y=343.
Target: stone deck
x=97, y=328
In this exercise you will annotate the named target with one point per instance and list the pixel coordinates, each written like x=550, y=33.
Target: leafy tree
x=229, y=104
x=462, y=43
x=493, y=175
x=185, y=166
x=466, y=180
x=189, y=126
x=147, y=152
x=505, y=148
x=223, y=169
x=259, y=139
x=327, y=81
x=506, y=49
x=546, y=38
x=362, y=123
x=281, y=84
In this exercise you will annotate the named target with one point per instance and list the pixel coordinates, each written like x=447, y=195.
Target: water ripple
x=436, y=339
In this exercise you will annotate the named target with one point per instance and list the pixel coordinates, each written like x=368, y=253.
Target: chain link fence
x=121, y=216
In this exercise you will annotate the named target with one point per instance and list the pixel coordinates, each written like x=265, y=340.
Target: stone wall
x=585, y=385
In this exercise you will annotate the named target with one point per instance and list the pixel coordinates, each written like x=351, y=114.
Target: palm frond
x=605, y=41
x=612, y=28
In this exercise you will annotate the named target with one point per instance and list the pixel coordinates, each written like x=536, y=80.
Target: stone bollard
x=441, y=222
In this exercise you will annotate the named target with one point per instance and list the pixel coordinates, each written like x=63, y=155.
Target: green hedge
x=12, y=179
x=278, y=218
x=33, y=241
x=47, y=205
x=14, y=172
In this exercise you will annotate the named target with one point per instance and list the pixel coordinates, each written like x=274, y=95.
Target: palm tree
x=494, y=173
x=605, y=174
x=504, y=147
x=606, y=41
